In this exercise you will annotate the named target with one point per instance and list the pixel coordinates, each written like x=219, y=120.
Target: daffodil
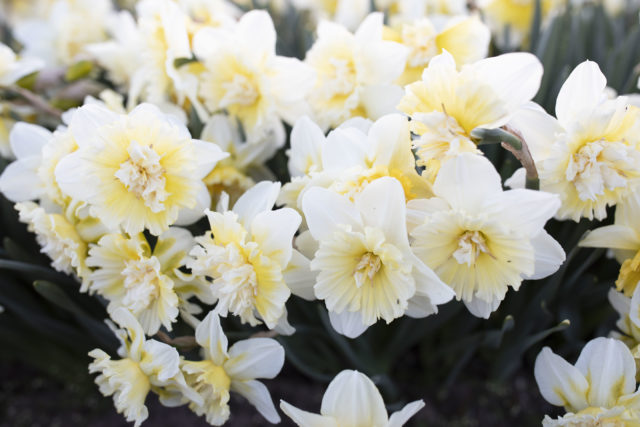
x=589, y=156
x=59, y=36
x=246, y=254
x=466, y=38
x=147, y=283
x=13, y=68
x=244, y=76
x=479, y=239
x=355, y=72
x=224, y=369
x=600, y=389
x=57, y=237
x=146, y=365
x=351, y=399
x=366, y=270
x=140, y=170
x=628, y=323
x=447, y=104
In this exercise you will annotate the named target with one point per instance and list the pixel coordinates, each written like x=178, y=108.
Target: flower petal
x=325, y=210
x=259, y=198
x=273, y=231
x=610, y=370
x=560, y=383
x=399, y=418
x=258, y=395
x=382, y=205
x=254, y=358
x=348, y=323
x=612, y=237
x=549, y=256
x=582, y=91
x=306, y=419
x=352, y=399
x=209, y=335
x=27, y=140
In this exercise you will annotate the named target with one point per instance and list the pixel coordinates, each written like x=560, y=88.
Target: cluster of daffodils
x=157, y=192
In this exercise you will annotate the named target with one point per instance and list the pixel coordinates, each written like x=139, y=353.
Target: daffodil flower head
x=246, y=253
x=447, y=104
x=589, y=156
x=224, y=369
x=600, y=389
x=352, y=399
x=145, y=365
x=140, y=170
x=355, y=72
x=147, y=283
x=479, y=239
x=244, y=76
x=366, y=270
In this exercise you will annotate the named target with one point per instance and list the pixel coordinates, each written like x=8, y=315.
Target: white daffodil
x=234, y=369
x=479, y=239
x=599, y=390
x=355, y=72
x=513, y=18
x=140, y=170
x=466, y=38
x=57, y=237
x=245, y=164
x=446, y=105
x=366, y=270
x=147, y=283
x=247, y=253
x=624, y=238
x=146, y=365
x=244, y=76
x=59, y=37
x=590, y=155
x=13, y=68
x=351, y=399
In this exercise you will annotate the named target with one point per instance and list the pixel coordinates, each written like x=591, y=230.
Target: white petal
x=258, y=395
x=162, y=361
x=307, y=140
x=256, y=32
x=481, y=308
x=466, y=181
x=259, y=198
x=221, y=131
x=299, y=277
x=382, y=205
x=399, y=418
x=188, y=216
x=549, y=256
x=274, y=231
x=20, y=182
x=610, y=369
x=254, y=358
x=634, y=307
x=325, y=210
x=123, y=318
x=627, y=212
x=515, y=77
x=306, y=419
x=612, y=237
x=344, y=149
x=353, y=399
x=560, y=383
x=419, y=209
x=207, y=156
x=517, y=180
x=390, y=140
x=428, y=283
x=582, y=91
x=292, y=80
x=526, y=211
x=348, y=323
x=371, y=28
x=27, y=140
x=538, y=129
x=420, y=306
x=87, y=119
x=209, y=335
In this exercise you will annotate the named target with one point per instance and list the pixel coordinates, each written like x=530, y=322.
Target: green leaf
x=78, y=70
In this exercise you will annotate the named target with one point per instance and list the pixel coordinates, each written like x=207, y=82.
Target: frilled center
x=367, y=268
x=141, y=282
x=240, y=91
x=470, y=245
x=420, y=38
x=600, y=165
x=143, y=175
x=236, y=283
x=343, y=77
